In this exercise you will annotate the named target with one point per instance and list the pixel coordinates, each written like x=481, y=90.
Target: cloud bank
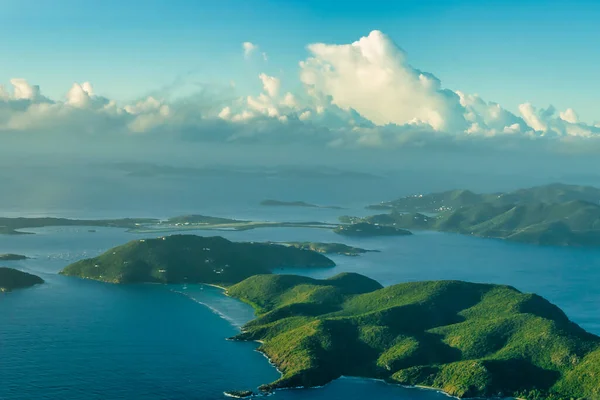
x=362, y=94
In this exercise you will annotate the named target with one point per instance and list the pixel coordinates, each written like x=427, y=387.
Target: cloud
x=270, y=84
x=372, y=76
x=548, y=123
x=22, y=90
x=249, y=48
x=364, y=94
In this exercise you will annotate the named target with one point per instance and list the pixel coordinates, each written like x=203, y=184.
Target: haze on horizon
x=361, y=86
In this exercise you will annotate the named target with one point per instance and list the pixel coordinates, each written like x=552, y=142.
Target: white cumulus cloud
x=372, y=76
x=360, y=94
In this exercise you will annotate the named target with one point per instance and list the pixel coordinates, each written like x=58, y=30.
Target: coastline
x=274, y=365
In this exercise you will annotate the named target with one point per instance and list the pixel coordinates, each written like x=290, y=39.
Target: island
x=11, y=279
x=192, y=259
x=278, y=203
x=455, y=199
x=466, y=339
x=367, y=229
x=197, y=219
x=12, y=257
x=10, y=226
x=573, y=223
x=329, y=248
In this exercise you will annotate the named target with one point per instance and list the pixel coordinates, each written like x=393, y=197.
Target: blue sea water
x=76, y=339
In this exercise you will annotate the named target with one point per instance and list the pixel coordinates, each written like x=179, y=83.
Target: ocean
x=77, y=339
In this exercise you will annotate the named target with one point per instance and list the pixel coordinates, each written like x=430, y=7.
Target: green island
x=556, y=214
x=278, y=203
x=10, y=226
x=454, y=199
x=368, y=229
x=466, y=339
x=12, y=257
x=202, y=222
x=574, y=223
x=11, y=279
x=192, y=259
x=329, y=248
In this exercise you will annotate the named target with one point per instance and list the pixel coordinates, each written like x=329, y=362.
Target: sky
x=338, y=73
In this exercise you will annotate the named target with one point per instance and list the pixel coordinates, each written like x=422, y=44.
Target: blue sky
x=509, y=51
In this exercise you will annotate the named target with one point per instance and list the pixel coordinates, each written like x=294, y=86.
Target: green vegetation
x=12, y=257
x=574, y=223
x=466, y=339
x=10, y=226
x=192, y=259
x=368, y=229
x=278, y=203
x=11, y=279
x=329, y=248
x=454, y=199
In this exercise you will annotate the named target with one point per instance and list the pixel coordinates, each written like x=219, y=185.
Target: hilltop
x=466, y=339
x=454, y=199
x=192, y=259
x=573, y=223
x=11, y=279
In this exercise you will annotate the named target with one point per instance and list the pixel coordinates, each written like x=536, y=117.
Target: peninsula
x=466, y=339
x=278, y=203
x=11, y=279
x=192, y=259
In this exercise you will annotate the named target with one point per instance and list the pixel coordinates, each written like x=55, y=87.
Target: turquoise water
x=74, y=339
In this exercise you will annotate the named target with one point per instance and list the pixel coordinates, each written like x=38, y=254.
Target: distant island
x=455, y=199
x=575, y=223
x=367, y=229
x=192, y=259
x=557, y=214
x=11, y=279
x=329, y=248
x=466, y=339
x=10, y=226
x=12, y=257
x=278, y=203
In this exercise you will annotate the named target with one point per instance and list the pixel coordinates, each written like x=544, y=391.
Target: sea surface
x=78, y=339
